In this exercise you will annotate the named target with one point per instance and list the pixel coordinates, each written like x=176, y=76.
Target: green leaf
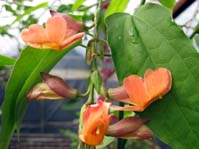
x=116, y=6
x=77, y=4
x=10, y=9
x=106, y=142
x=97, y=80
x=151, y=39
x=6, y=60
x=28, y=11
x=25, y=75
x=168, y=3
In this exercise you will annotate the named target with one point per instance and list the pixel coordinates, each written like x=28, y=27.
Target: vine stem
x=91, y=85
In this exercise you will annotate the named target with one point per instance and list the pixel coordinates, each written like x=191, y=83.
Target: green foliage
x=168, y=3
x=65, y=8
x=6, y=60
x=116, y=6
x=29, y=10
x=77, y=4
x=10, y=9
x=150, y=39
x=25, y=75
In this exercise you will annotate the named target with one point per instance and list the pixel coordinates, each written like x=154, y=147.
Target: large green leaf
x=6, y=60
x=150, y=39
x=25, y=74
x=116, y=6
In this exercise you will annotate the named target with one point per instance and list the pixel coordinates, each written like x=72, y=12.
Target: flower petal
x=95, y=123
x=71, y=40
x=136, y=90
x=158, y=82
x=71, y=23
x=56, y=28
x=35, y=34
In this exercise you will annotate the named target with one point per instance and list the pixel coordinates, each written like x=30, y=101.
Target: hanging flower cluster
x=96, y=122
x=60, y=32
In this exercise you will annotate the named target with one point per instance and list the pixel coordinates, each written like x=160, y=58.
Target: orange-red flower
x=60, y=32
x=95, y=123
x=140, y=93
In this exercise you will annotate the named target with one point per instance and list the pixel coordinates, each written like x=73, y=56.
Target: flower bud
x=53, y=88
x=42, y=91
x=59, y=86
x=130, y=128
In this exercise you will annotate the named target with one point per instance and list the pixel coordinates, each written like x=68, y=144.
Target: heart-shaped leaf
x=150, y=39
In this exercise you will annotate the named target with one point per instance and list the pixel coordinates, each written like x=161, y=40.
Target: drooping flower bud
x=130, y=128
x=52, y=88
x=42, y=91
x=59, y=86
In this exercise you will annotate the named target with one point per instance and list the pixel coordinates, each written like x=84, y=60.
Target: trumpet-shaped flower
x=60, y=32
x=142, y=92
x=95, y=123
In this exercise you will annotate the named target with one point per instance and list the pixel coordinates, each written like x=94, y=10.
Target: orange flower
x=142, y=92
x=61, y=31
x=95, y=123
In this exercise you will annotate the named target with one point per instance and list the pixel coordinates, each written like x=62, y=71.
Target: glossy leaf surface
x=150, y=39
